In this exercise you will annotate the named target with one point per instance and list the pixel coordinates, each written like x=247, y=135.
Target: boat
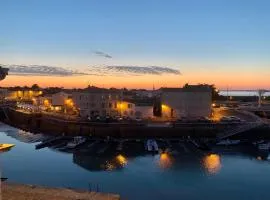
x=151, y=145
x=228, y=142
x=78, y=140
x=6, y=147
x=264, y=146
x=258, y=142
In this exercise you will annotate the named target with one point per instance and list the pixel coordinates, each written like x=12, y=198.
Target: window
x=103, y=105
x=115, y=105
x=129, y=105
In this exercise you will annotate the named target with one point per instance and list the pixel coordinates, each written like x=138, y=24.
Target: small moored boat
x=6, y=147
x=151, y=146
x=264, y=146
x=78, y=140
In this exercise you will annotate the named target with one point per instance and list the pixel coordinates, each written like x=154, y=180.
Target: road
x=221, y=112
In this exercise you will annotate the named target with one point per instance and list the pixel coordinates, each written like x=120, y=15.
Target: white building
x=59, y=99
x=193, y=101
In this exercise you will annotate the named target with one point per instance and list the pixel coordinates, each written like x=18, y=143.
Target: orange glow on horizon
x=221, y=81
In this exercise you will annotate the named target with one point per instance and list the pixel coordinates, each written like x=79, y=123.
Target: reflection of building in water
x=100, y=163
x=212, y=163
x=25, y=136
x=165, y=161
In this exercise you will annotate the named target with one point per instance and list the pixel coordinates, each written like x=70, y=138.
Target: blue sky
x=186, y=35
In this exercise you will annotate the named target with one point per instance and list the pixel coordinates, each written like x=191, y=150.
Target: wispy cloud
x=102, y=54
x=117, y=70
x=42, y=70
x=133, y=70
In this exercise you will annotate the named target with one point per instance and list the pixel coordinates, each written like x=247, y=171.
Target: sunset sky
x=116, y=43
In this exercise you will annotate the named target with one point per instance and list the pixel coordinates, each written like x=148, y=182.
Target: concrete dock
x=12, y=191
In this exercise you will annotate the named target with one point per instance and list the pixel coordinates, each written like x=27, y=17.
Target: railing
x=238, y=130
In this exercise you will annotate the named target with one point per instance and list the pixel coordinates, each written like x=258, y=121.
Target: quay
x=39, y=123
x=13, y=191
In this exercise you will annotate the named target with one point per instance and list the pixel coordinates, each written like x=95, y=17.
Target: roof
x=98, y=90
x=189, y=88
x=171, y=89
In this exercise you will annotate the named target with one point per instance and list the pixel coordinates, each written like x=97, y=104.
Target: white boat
x=258, y=142
x=151, y=145
x=264, y=146
x=228, y=142
x=76, y=141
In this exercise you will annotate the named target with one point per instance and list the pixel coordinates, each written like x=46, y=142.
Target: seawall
x=40, y=123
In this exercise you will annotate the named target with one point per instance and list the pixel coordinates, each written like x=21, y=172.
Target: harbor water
x=241, y=93
x=187, y=175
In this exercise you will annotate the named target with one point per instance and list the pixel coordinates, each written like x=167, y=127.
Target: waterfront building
x=190, y=101
x=44, y=101
x=3, y=94
x=60, y=101
x=22, y=94
x=142, y=93
x=101, y=102
x=144, y=111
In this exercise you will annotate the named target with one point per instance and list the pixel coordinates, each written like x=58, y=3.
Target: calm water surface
x=241, y=93
x=186, y=176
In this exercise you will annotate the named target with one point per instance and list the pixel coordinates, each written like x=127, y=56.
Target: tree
x=35, y=87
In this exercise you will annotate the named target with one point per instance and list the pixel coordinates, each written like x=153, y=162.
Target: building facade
x=144, y=111
x=190, y=102
x=23, y=95
x=101, y=102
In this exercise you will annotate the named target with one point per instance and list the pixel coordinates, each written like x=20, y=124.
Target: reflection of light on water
x=118, y=162
x=108, y=166
x=165, y=161
x=212, y=163
x=121, y=160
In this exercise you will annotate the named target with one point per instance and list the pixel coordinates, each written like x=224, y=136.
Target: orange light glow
x=46, y=102
x=165, y=161
x=165, y=107
x=122, y=160
x=212, y=163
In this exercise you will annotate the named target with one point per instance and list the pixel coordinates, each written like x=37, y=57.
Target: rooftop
x=188, y=88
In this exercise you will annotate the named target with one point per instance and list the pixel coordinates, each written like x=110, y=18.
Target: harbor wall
x=39, y=123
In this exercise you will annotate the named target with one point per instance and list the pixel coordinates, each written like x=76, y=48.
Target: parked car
x=234, y=118
x=204, y=120
x=138, y=119
x=225, y=119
